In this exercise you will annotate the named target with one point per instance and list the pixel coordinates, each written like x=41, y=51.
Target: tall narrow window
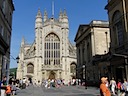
x=53, y=50
x=118, y=28
x=73, y=68
x=88, y=52
x=3, y=6
x=1, y=30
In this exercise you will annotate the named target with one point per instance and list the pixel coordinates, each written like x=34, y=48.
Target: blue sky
x=78, y=11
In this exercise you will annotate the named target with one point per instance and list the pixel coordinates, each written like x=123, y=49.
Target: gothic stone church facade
x=51, y=55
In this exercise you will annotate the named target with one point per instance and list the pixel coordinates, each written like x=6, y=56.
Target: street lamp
x=22, y=66
x=84, y=67
x=17, y=58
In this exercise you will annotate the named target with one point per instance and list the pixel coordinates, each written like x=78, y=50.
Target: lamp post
x=84, y=67
x=22, y=66
x=106, y=33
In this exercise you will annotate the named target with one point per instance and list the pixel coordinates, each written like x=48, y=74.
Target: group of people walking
x=113, y=88
x=10, y=88
x=53, y=83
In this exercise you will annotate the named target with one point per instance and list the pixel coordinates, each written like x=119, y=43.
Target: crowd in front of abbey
x=107, y=88
x=10, y=87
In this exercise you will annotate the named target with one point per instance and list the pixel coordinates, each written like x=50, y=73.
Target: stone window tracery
x=73, y=68
x=30, y=68
x=52, y=49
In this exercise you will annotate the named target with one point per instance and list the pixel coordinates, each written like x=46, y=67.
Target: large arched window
x=30, y=68
x=118, y=28
x=73, y=68
x=52, y=49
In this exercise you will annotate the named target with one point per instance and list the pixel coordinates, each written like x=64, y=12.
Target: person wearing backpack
x=8, y=90
x=3, y=85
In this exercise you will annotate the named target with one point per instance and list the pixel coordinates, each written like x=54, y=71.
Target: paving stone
x=63, y=91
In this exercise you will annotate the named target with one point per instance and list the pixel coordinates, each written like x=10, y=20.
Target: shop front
x=118, y=67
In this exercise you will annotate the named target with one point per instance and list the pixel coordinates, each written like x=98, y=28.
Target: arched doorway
x=29, y=77
x=52, y=75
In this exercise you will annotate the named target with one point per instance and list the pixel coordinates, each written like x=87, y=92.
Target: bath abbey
x=51, y=55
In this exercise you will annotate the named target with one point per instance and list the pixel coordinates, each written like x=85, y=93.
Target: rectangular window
x=54, y=45
x=45, y=61
x=3, y=6
x=54, y=54
x=88, y=52
x=45, y=54
x=8, y=39
x=1, y=30
x=120, y=33
x=54, y=61
x=45, y=45
x=58, y=45
x=48, y=45
x=10, y=18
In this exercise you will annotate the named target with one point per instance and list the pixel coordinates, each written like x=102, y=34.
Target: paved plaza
x=63, y=91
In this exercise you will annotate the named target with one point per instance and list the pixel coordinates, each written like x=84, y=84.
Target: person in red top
x=104, y=91
x=8, y=90
x=119, y=87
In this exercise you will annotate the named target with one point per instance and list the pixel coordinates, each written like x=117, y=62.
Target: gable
x=80, y=31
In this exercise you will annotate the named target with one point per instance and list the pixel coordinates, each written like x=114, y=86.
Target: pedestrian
x=13, y=88
x=21, y=83
x=104, y=91
x=49, y=81
x=79, y=80
x=69, y=82
x=122, y=90
x=59, y=83
x=125, y=84
x=3, y=85
x=46, y=84
x=119, y=87
x=35, y=83
x=113, y=85
x=8, y=90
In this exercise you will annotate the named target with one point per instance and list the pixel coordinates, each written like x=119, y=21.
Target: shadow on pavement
x=81, y=95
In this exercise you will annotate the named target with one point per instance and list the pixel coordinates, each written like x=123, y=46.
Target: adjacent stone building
x=51, y=55
x=118, y=18
x=6, y=13
x=92, y=40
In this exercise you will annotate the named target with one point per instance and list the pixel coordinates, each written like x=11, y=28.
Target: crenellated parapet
x=61, y=21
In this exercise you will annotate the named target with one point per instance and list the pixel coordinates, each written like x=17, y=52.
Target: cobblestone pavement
x=63, y=91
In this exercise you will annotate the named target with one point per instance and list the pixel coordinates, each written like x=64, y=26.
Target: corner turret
x=22, y=42
x=65, y=20
x=38, y=21
x=60, y=16
x=45, y=16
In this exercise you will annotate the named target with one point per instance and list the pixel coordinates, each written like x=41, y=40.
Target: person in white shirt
x=113, y=86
